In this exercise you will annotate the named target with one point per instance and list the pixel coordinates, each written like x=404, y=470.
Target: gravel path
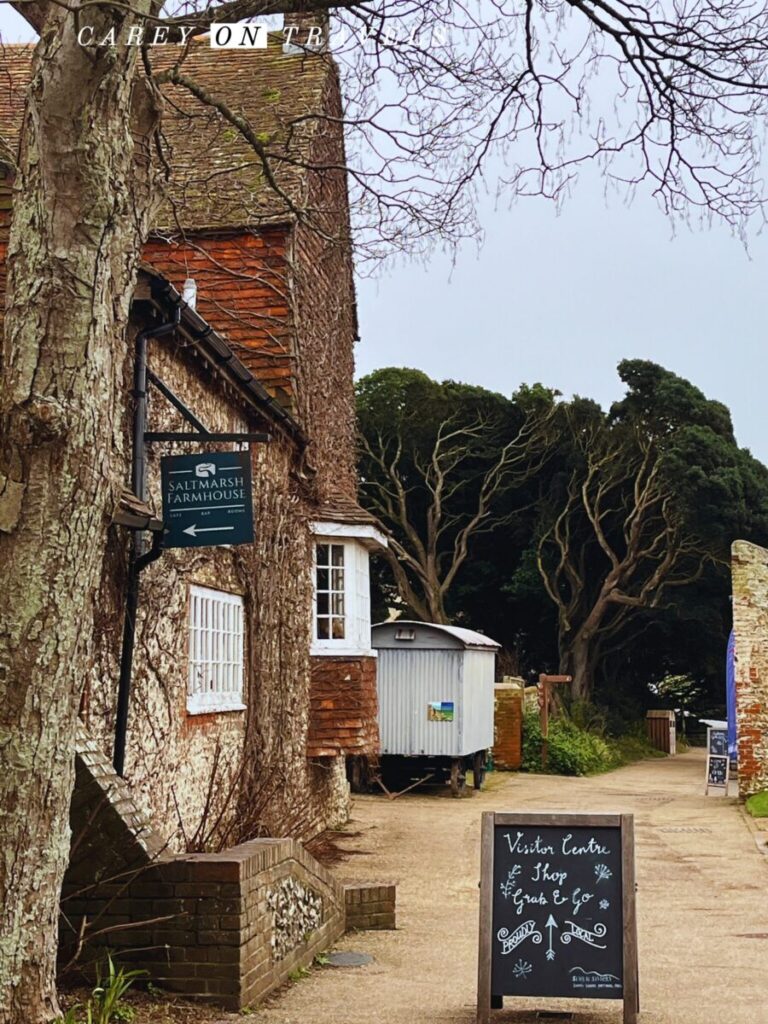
x=703, y=912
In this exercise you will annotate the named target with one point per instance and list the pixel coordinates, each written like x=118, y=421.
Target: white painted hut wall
x=477, y=701
x=408, y=681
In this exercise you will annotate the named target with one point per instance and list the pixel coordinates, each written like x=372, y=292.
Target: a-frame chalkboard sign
x=557, y=909
x=718, y=761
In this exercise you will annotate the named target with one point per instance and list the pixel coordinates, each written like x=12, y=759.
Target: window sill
x=195, y=708
x=332, y=651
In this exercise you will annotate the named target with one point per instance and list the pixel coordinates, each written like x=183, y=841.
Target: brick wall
x=508, y=726
x=370, y=905
x=749, y=566
x=343, y=707
x=225, y=928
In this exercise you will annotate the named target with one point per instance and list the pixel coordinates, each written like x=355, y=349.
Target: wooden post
x=630, y=957
x=486, y=916
x=544, y=720
x=544, y=683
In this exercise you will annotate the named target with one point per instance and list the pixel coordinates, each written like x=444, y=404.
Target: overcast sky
x=561, y=299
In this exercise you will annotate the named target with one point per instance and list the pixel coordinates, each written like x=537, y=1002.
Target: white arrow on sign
x=193, y=530
x=551, y=923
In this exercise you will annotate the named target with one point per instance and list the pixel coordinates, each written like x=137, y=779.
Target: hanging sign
x=557, y=909
x=207, y=499
x=718, y=761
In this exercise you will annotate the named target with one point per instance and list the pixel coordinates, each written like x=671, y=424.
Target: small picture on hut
x=440, y=711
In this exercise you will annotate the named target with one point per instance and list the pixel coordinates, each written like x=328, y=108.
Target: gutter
x=206, y=338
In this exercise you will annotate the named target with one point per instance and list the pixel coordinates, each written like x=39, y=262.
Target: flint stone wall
x=226, y=928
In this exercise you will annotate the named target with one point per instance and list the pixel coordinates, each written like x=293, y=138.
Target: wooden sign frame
x=486, y=1001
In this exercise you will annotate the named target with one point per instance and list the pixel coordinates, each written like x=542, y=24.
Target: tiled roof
x=218, y=179
x=218, y=192
x=242, y=280
x=215, y=349
x=344, y=510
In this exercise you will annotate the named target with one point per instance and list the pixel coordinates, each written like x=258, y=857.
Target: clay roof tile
x=218, y=179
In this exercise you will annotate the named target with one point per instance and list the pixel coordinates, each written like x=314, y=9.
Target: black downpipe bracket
x=139, y=559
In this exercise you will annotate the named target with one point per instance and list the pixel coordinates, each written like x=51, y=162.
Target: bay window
x=341, y=617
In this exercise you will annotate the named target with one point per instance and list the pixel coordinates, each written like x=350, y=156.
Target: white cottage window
x=341, y=619
x=331, y=570
x=215, y=681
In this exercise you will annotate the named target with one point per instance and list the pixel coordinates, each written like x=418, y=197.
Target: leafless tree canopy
x=668, y=97
x=460, y=503
x=617, y=500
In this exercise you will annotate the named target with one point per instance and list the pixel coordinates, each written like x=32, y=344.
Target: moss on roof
x=217, y=178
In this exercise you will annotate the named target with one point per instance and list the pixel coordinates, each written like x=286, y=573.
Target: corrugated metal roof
x=467, y=637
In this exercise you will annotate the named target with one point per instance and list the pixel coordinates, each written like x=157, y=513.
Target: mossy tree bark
x=81, y=206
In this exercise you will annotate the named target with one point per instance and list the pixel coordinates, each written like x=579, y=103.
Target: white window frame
x=216, y=651
x=357, y=542
x=339, y=599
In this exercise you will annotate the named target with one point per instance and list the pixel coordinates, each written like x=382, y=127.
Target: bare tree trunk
x=435, y=598
x=79, y=216
x=578, y=661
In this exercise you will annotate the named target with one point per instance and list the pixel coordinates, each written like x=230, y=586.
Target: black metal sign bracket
x=139, y=558
x=200, y=436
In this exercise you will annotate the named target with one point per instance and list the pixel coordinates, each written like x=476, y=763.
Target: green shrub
x=757, y=805
x=572, y=750
x=633, y=745
x=576, y=747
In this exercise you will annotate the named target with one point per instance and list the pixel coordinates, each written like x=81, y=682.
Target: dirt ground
x=702, y=908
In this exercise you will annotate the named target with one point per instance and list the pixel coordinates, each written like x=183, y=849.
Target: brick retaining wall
x=226, y=928
x=370, y=905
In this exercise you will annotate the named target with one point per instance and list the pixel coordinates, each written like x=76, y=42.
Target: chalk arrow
x=550, y=925
x=193, y=530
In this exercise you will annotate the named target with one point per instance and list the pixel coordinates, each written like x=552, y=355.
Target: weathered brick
x=507, y=723
x=370, y=905
x=750, y=623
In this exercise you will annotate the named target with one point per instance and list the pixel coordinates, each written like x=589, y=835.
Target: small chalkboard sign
x=557, y=909
x=718, y=761
x=718, y=742
x=717, y=774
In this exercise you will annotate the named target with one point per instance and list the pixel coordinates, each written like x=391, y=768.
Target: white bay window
x=342, y=601
x=331, y=567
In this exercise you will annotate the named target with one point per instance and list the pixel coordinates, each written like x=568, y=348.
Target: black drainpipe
x=139, y=559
